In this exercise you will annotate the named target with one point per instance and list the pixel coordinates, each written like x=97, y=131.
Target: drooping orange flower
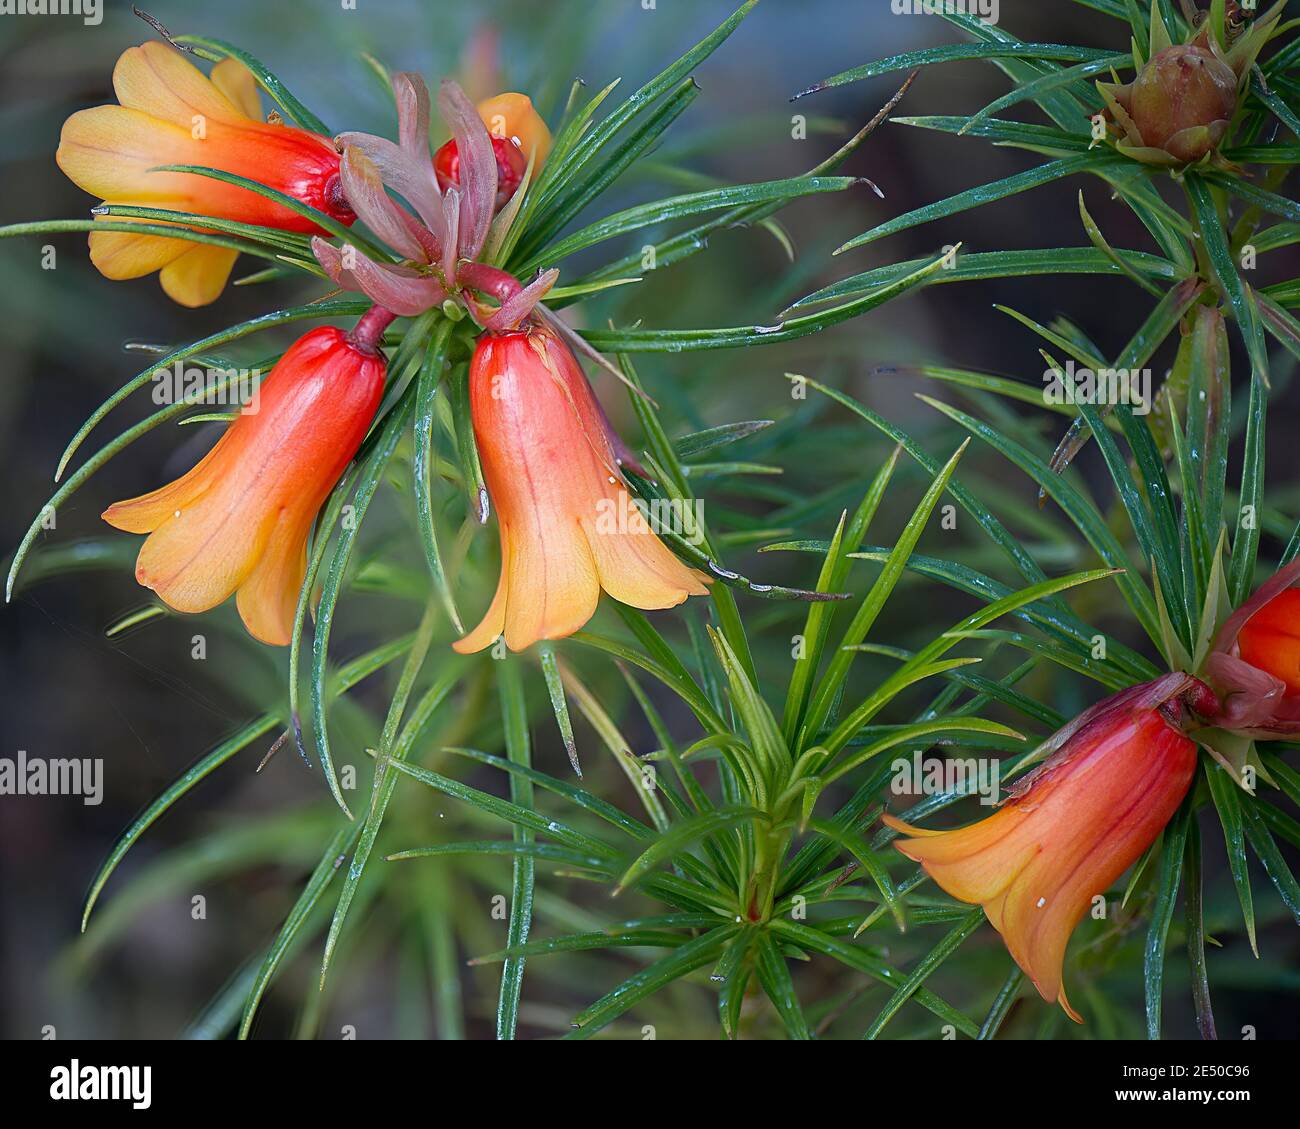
x=517, y=132
x=170, y=113
x=569, y=527
x=240, y=519
x=1071, y=827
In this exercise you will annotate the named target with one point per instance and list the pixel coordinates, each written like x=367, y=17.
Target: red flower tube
x=1071, y=827
x=239, y=520
x=173, y=114
x=569, y=527
x=1255, y=663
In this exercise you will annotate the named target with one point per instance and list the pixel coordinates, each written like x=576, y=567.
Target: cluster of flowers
x=239, y=521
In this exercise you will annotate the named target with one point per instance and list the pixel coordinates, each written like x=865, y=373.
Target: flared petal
x=160, y=81
x=568, y=524
x=109, y=150
x=237, y=83
x=199, y=275
x=553, y=585
x=989, y=837
x=147, y=512
x=239, y=520
x=121, y=255
x=172, y=114
x=547, y=590
x=197, y=558
x=493, y=622
x=634, y=565
x=268, y=599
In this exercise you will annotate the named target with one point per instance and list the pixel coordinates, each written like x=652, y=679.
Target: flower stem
x=500, y=284
x=369, y=331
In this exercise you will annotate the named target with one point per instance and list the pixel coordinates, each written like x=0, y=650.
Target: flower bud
x=518, y=133
x=1270, y=640
x=510, y=168
x=1182, y=101
x=1255, y=662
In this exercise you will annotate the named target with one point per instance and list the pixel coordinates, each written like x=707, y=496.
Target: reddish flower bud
x=1183, y=100
x=510, y=167
x=1255, y=663
x=240, y=519
x=1270, y=639
x=518, y=133
x=1071, y=827
x=569, y=527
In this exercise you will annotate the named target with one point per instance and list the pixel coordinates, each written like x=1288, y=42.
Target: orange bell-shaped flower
x=240, y=519
x=568, y=524
x=173, y=114
x=1070, y=828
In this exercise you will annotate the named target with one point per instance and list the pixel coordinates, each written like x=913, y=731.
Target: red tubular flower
x=239, y=520
x=1071, y=827
x=1255, y=662
x=172, y=114
x=1270, y=639
x=568, y=524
